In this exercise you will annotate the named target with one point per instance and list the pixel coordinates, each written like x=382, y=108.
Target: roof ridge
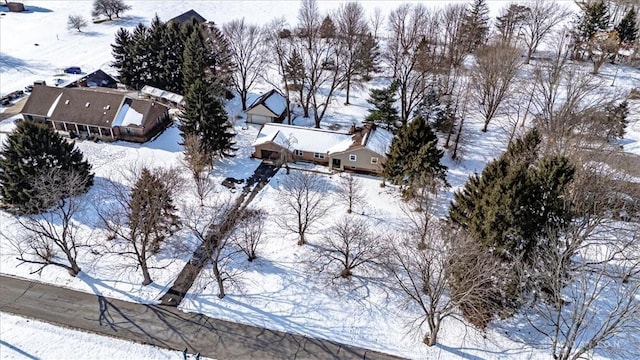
x=307, y=128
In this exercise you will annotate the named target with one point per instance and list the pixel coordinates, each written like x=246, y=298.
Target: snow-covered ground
x=22, y=338
x=282, y=289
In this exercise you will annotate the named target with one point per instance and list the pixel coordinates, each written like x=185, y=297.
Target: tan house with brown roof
x=362, y=149
x=96, y=113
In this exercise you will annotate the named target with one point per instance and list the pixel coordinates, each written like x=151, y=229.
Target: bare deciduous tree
x=109, y=8
x=542, y=17
x=351, y=27
x=492, y=75
x=247, y=44
x=349, y=244
x=452, y=18
x=51, y=237
x=199, y=164
x=595, y=303
x=303, y=199
x=278, y=37
x=409, y=53
x=418, y=212
x=248, y=234
x=563, y=94
x=76, y=22
x=426, y=277
x=140, y=215
x=203, y=223
x=350, y=188
x=376, y=21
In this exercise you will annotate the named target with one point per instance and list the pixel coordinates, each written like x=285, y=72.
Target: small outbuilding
x=271, y=107
x=187, y=17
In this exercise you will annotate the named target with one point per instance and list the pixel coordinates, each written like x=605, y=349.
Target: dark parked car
x=73, y=70
x=28, y=88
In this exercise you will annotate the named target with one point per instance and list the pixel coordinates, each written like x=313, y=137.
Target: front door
x=335, y=163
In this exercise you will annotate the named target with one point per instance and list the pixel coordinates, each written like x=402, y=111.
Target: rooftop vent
x=87, y=104
x=66, y=102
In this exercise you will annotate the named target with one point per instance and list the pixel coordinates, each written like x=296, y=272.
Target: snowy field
x=283, y=289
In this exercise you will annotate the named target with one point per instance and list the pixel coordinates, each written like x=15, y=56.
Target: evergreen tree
x=616, y=121
x=152, y=213
x=627, y=30
x=414, y=158
x=368, y=57
x=476, y=25
x=384, y=111
x=510, y=23
x=430, y=108
x=29, y=151
x=140, y=56
x=327, y=28
x=193, y=60
x=595, y=18
x=295, y=74
x=121, y=51
x=516, y=199
x=219, y=61
x=158, y=51
x=204, y=116
x=172, y=67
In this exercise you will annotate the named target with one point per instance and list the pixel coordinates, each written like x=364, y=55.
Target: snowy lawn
x=283, y=289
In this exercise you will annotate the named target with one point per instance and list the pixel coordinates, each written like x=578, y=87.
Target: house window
x=298, y=152
x=353, y=157
x=318, y=155
x=374, y=160
x=29, y=117
x=128, y=131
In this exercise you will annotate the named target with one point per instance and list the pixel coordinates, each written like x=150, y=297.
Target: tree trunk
x=216, y=273
x=486, y=125
x=529, y=55
x=348, y=90
x=145, y=273
x=301, y=239
x=243, y=97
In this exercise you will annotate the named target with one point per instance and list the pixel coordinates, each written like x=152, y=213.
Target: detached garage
x=269, y=108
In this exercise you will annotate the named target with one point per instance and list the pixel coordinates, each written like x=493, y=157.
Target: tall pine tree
x=122, y=51
x=627, y=30
x=476, y=25
x=204, y=116
x=193, y=60
x=29, y=151
x=515, y=200
x=384, y=112
x=414, y=158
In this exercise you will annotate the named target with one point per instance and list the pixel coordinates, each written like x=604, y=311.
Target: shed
x=187, y=17
x=269, y=108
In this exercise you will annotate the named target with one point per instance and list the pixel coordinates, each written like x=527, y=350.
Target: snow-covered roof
x=378, y=140
x=128, y=116
x=303, y=138
x=272, y=100
x=162, y=94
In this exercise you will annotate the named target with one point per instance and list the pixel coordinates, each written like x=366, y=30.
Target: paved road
x=164, y=326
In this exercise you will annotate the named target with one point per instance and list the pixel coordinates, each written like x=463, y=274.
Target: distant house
x=187, y=17
x=268, y=108
x=96, y=112
x=362, y=149
x=97, y=78
x=162, y=96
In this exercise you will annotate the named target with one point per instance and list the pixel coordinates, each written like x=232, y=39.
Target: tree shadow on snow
x=36, y=9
